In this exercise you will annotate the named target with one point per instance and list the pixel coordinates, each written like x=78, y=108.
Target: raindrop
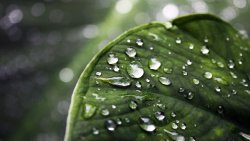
x=174, y=125
x=190, y=95
x=189, y=62
x=105, y=112
x=116, y=68
x=217, y=89
x=183, y=126
x=133, y=105
x=139, y=42
x=165, y=81
x=167, y=70
x=118, y=121
x=204, y=50
x=135, y=70
x=117, y=81
x=231, y=64
x=89, y=110
x=138, y=84
x=178, y=41
x=196, y=81
x=159, y=115
x=154, y=64
x=131, y=52
x=206, y=40
x=220, y=64
x=234, y=92
x=110, y=125
x=208, y=75
x=184, y=73
x=181, y=90
x=112, y=59
x=98, y=73
x=191, y=46
x=173, y=114
x=95, y=131
x=147, y=124
x=220, y=109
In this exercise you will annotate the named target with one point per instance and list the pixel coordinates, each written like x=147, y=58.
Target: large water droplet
x=173, y=114
x=189, y=62
x=139, y=42
x=204, y=50
x=117, y=81
x=165, y=81
x=105, y=112
x=116, y=68
x=131, y=52
x=191, y=46
x=110, y=125
x=160, y=115
x=154, y=64
x=208, y=75
x=135, y=70
x=112, y=59
x=89, y=110
x=133, y=105
x=147, y=124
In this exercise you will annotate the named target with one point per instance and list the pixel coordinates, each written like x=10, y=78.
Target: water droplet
x=220, y=109
x=138, y=84
x=184, y=73
x=110, y=125
x=231, y=64
x=204, y=50
x=183, y=126
x=190, y=95
x=167, y=70
x=112, y=59
x=135, y=70
x=217, y=89
x=178, y=41
x=98, y=73
x=181, y=90
x=208, y=75
x=95, y=131
x=173, y=114
x=220, y=64
x=191, y=46
x=131, y=52
x=234, y=92
x=233, y=75
x=105, y=112
x=128, y=41
x=147, y=124
x=189, y=62
x=113, y=106
x=133, y=105
x=191, y=139
x=139, y=42
x=154, y=64
x=196, y=81
x=206, y=40
x=118, y=121
x=89, y=110
x=160, y=115
x=174, y=125
x=117, y=81
x=165, y=81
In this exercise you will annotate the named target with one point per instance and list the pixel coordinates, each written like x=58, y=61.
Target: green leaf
x=180, y=80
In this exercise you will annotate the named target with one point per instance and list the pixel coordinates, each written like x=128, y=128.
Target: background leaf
x=164, y=81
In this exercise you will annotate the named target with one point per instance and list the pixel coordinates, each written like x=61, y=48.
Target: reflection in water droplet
x=154, y=64
x=117, y=81
x=147, y=124
x=165, y=81
x=174, y=125
x=95, y=131
x=112, y=59
x=234, y=92
x=118, y=121
x=132, y=105
x=159, y=115
x=105, y=112
x=208, y=75
x=204, y=50
x=196, y=81
x=139, y=42
x=131, y=52
x=110, y=125
x=135, y=70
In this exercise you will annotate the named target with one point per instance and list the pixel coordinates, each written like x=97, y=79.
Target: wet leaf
x=184, y=80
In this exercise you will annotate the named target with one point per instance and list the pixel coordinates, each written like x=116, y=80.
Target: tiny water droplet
x=234, y=92
x=233, y=75
x=189, y=62
x=138, y=84
x=112, y=59
x=128, y=41
x=181, y=90
x=147, y=124
x=204, y=50
x=139, y=42
x=135, y=69
x=95, y=131
x=98, y=73
x=174, y=126
x=165, y=81
x=110, y=125
x=116, y=68
x=196, y=81
x=89, y=110
x=191, y=46
x=173, y=114
x=208, y=75
x=178, y=41
x=159, y=115
x=167, y=70
x=133, y=105
x=220, y=109
x=154, y=64
x=185, y=73
x=231, y=64
x=105, y=112
x=206, y=40
x=183, y=126
x=168, y=25
x=217, y=89
x=131, y=52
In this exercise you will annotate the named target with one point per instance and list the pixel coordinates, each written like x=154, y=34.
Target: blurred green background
x=45, y=45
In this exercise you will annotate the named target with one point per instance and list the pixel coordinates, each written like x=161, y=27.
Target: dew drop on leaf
x=89, y=110
x=95, y=131
x=98, y=73
x=112, y=59
x=217, y=89
x=135, y=70
x=196, y=81
x=147, y=124
x=208, y=75
x=231, y=64
x=131, y=52
x=183, y=126
x=133, y=105
x=160, y=115
x=165, y=81
x=138, y=84
x=189, y=62
x=110, y=125
x=220, y=109
x=139, y=42
x=167, y=70
x=105, y=112
x=154, y=64
x=204, y=50
x=173, y=114
x=178, y=41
